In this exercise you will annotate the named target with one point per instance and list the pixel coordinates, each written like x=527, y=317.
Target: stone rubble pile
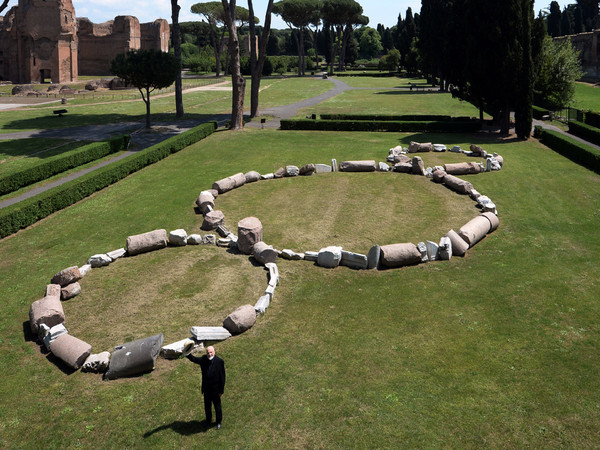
x=47, y=316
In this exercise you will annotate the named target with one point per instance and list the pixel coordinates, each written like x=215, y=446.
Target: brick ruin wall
x=587, y=45
x=41, y=40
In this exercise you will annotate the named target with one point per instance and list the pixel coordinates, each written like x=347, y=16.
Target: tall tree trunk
x=146, y=100
x=217, y=45
x=297, y=39
x=237, y=80
x=301, y=62
x=258, y=56
x=345, y=38
x=176, y=38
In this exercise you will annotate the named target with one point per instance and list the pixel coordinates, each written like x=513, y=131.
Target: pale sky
x=378, y=11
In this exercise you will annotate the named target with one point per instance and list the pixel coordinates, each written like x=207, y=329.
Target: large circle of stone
x=250, y=231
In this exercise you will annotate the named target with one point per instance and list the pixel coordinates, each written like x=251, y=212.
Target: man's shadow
x=183, y=428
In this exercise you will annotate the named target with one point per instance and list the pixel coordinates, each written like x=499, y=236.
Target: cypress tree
x=554, y=19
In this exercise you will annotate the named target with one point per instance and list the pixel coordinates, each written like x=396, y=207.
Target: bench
x=59, y=112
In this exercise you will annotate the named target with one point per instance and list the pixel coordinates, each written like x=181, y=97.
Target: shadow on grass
x=183, y=428
x=29, y=337
x=409, y=92
x=46, y=123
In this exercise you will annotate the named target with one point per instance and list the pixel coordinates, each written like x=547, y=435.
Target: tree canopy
x=147, y=70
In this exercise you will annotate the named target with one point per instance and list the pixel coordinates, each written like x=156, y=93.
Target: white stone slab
x=445, y=249
x=432, y=250
x=210, y=333
x=178, y=237
x=273, y=273
x=99, y=260
x=322, y=168
x=423, y=251
x=262, y=304
x=329, y=257
x=176, y=349
x=194, y=239
x=354, y=260
x=311, y=256
x=116, y=254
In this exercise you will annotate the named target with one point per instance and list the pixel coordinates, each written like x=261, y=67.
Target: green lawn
x=385, y=101
x=494, y=349
x=587, y=97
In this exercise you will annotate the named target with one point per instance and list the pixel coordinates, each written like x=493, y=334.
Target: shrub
x=58, y=164
x=401, y=118
x=382, y=125
x=574, y=150
x=592, y=118
x=584, y=131
x=31, y=210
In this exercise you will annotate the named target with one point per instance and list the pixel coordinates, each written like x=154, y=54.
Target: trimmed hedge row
x=74, y=158
x=398, y=118
x=368, y=74
x=585, y=131
x=539, y=113
x=574, y=150
x=382, y=125
x=29, y=211
x=592, y=118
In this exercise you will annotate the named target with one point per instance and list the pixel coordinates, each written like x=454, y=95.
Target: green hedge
x=27, y=212
x=574, y=150
x=592, y=118
x=584, y=131
x=58, y=164
x=397, y=118
x=382, y=125
x=368, y=74
x=539, y=113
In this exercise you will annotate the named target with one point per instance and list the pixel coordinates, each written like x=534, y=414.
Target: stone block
x=240, y=320
x=418, y=168
x=53, y=290
x=267, y=176
x=465, y=168
x=178, y=237
x=329, y=257
x=71, y=350
x=439, y=148
x=476, y=150
x=270, y=291
x=146, y=242
x=459, y=246
x=229, y=183
x=432, y=250
x=70, y=291
x=134, y=357
x=311, y=256
x=354, y=260
x=373, y=257
x=66, y=276
x=493, y=219
x=291, y=255
x=223, y=230
x=291, y=171
x=415, y=147
x=398, y=255
x=252, y=176
x=262, y=304
x=83, y=270
x=279, y=173
x=358, y=166
x=205, y=334
x=99, y=260
x=456, y=149
x=383, y=167
x=264, y=253
x=457, y=185
x=212, y=220
x=48, y=335
x=224, y=242
x=486, y=204
x=422, y=248
x=475, y=230
x=48, y=311
x=334, y=165
x=250, y=231
x=176, y=349
x=401, y=158
x=307, y=169
x=96, y=363
x=194, y=239
x=209, y=239
x=322, y=168
x=403, y=167
x=438, y=176
x=445, y=249
x=205, y=200
x=116, y=254
x=273, y=274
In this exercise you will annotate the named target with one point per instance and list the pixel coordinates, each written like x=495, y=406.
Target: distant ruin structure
x=587, y=45
x=42, y=41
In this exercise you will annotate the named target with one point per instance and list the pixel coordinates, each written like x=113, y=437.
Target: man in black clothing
x=213, y=383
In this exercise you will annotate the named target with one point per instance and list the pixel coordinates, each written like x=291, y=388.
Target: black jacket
x=213, y=374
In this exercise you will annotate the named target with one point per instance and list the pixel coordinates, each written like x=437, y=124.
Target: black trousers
x=209, y=400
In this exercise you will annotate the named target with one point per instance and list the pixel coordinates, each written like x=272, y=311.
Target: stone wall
x=587, y=45
x=41, y=41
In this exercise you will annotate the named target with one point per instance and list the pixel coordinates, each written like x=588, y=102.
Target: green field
x=587, y=97
x=495, y=349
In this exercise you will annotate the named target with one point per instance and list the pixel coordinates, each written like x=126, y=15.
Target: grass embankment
x=587, y=97
x=494, y=349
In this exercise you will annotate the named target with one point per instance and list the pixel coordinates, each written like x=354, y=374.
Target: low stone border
x=47, y=315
